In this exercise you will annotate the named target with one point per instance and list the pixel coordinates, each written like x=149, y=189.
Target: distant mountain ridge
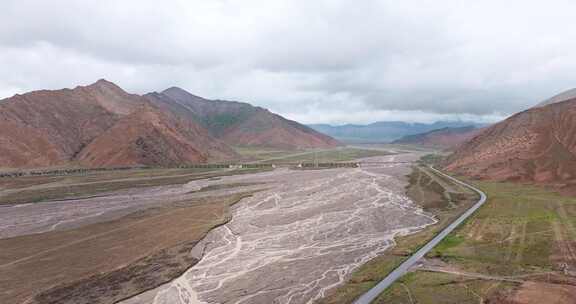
x=445, y=138
x=386, y=131
x=101, y=125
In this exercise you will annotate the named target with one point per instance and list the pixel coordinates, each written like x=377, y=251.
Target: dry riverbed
x=290, y=236
x=107, y=247
x=300, y=238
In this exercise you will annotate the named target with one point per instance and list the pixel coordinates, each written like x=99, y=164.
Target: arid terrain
x=258, y=235
x=300, y=238
x=287, y=152
x=445, y=138
x=518, y=249
x=101, y=125
x=537, y=146
x=103, y=246
x=239, y=123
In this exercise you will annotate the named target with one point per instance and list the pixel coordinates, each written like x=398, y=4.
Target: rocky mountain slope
x=97, y=125
x=102, y=125
x=152, y=137
x=241, y=124
x=537, y=145
x=446, y=138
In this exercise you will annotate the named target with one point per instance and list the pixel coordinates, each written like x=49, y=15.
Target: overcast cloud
x=315, y=61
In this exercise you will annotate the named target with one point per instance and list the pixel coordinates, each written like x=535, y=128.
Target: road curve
x=373, y=293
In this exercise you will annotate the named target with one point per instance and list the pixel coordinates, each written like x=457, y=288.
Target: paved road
x=373, y=293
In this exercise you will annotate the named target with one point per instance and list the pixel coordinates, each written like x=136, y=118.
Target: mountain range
x=537, y=145
x=101, y=125
x=445, y=138
x=240, y=124
x=385, y=131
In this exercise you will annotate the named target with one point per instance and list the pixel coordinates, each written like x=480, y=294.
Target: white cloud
x=317, y=61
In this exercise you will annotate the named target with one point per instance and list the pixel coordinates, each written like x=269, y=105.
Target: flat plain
x=437, y=196
x=114, y=234
x=295, y=241
x=104, y=236
x=518, y=248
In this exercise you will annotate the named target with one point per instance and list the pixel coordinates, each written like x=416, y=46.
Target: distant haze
x=336, y=62
x=382, y=132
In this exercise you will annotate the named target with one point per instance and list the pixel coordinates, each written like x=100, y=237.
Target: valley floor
x=300, y=238
x=105, y=237
x=518, y=248
x=102, y=246
x=290, y=236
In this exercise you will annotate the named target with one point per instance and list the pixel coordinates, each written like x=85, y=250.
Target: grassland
x=327, y=156
x=520, y=247
x=343, y=154
x=399, y=147
x=436, y=195
x=259, y=153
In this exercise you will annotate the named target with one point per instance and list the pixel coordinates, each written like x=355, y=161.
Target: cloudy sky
x=340, y=61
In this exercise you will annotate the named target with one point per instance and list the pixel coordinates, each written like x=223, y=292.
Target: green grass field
x=523, y=232
x=441, y=288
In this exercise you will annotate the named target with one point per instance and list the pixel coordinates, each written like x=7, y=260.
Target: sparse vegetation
x=260, y=153
x=34, y=189
x=436, y=195
x=431, y=159
x=108, y=261
x=328, y=156
x=523, y=232
x=442, y=288
x=517, y=231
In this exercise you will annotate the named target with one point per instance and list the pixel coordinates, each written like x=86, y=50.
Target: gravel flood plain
x=300, y=237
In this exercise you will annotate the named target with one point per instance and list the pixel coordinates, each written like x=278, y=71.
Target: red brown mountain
x=152, y=137
x=97, y=125
x=537, y=145
x=445, y=138
x=241, y=124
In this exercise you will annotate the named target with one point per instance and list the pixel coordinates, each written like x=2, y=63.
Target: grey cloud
x=313, y=60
